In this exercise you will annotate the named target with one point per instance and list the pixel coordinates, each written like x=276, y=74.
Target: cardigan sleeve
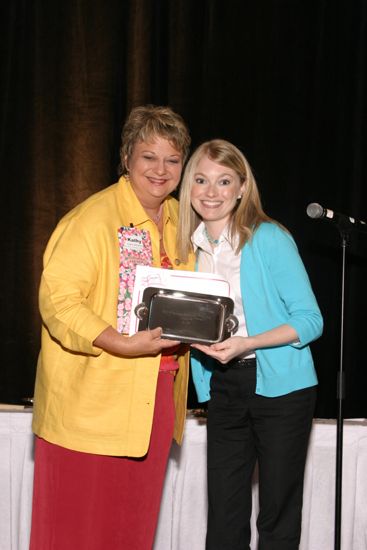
x=293, y=285
x=201, y=368
x=276, y=273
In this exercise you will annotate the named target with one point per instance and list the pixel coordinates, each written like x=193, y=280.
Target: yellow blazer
x=87, y=399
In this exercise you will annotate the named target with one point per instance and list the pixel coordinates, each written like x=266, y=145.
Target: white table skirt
x=183, y=512
x=182, y=520
x=16, y=479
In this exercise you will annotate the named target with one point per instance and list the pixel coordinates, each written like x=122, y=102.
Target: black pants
x=244, y=428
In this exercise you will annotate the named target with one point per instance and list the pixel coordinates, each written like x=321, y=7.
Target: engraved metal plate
x=187, y=316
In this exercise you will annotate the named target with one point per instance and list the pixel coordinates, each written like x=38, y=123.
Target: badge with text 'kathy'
x=135, y=249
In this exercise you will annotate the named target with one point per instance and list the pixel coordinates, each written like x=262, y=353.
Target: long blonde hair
x=248, y=213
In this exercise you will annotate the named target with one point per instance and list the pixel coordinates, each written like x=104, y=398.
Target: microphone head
x=315, y=210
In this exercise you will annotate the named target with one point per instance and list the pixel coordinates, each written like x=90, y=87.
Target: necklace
x=158, y=216
x=210, y=239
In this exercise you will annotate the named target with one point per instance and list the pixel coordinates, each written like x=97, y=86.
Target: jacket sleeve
x=66, y=297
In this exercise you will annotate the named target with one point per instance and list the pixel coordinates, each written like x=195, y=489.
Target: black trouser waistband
x=241, y=362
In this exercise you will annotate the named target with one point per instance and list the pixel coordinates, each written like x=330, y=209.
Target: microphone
x=316, y=211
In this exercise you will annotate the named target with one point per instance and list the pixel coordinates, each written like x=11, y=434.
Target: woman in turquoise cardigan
x=261, y=382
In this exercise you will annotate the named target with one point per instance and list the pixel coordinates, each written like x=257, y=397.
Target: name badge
x=135, y=249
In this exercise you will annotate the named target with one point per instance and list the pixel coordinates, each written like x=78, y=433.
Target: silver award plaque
x=187, y=316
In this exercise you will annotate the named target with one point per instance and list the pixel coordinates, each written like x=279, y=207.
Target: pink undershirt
x=169, y=361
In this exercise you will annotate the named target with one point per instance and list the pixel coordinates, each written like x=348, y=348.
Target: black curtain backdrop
x=285, y=80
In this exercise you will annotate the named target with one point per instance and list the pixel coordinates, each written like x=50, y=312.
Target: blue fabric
x=275, y=290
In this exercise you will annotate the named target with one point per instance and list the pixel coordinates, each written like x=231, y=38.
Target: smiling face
x=214, y=194
x=155, y=170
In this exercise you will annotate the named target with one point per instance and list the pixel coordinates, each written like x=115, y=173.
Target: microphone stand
x=344, y=233
x=345, y=225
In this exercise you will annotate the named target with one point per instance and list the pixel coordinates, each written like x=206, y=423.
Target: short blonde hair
x=146, y=122
x=248, y=213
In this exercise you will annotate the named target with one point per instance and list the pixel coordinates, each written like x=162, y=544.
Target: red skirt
x=84, y=501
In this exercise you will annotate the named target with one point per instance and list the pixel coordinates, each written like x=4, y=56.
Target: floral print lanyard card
x=135, y=249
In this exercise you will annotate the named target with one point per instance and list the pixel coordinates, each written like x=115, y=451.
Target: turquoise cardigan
x=275, y=290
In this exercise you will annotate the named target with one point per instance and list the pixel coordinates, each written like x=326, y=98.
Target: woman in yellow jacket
x=107, y=405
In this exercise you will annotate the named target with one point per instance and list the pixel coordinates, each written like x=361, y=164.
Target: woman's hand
x=239, y=345
x=226, y=350
x=146, y=342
